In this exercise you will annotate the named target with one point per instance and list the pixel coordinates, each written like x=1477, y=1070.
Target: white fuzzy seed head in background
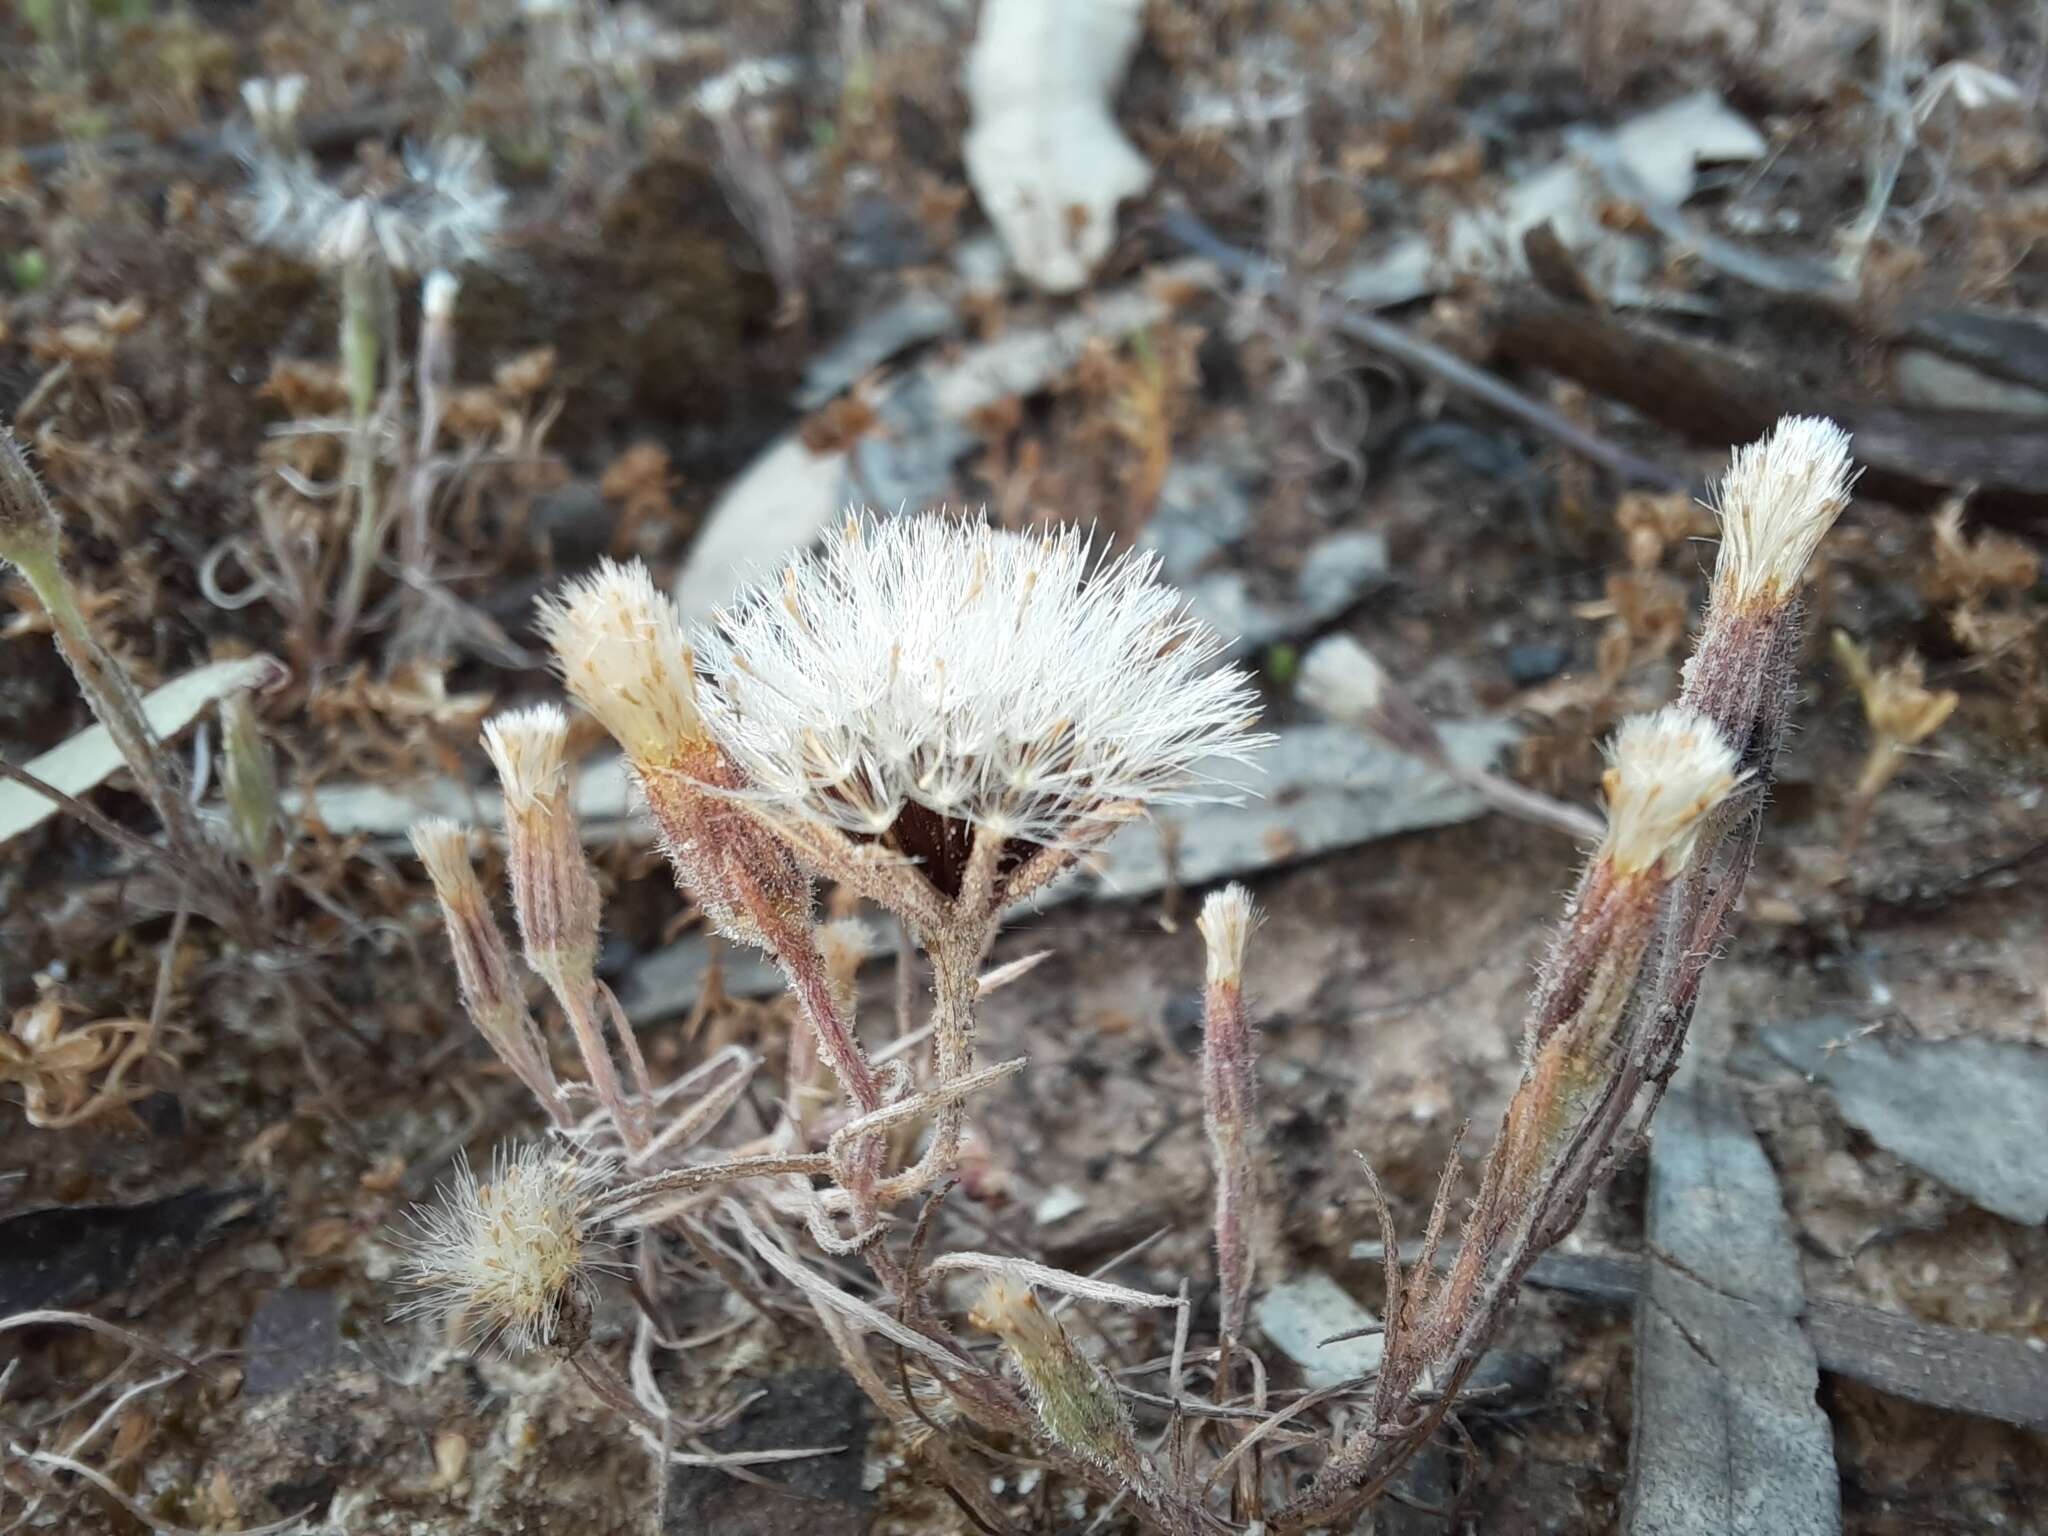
x=273, y=103
x=443, y=210
x=529, y=750
x=1009, y=681
x=1667, y=771
x=1781, y=495
x=1343, y=679
x=1227, y=920
x=509, y=1256
x=620, y=648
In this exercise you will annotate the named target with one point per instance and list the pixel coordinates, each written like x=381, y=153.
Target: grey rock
x=1928, y=378
x=918, y=316
x=1297, y=1315
x=69, y=1255
x=576, y=521
x=875, y=235
x=907, y=465
x=1715, y=1210
x=293, y=1334
x=1338, y=572
x=1203, y=510
x=1530, y=662
x=824, y=1497
x=1324, y=787
x=1729, y=1440
x=1968, y=1112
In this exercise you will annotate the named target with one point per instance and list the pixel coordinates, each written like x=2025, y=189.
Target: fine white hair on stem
x=1666, y=772
x=1015, y=682
x=619, y=644
x=511, y=1256
x=529, y=750
x=1227, y=920
x=1781, y=495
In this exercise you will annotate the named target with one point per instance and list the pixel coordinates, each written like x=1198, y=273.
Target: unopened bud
x=553, y=891
x=1781, y=495
x=1077, y=1405
x=619, y=644
x=491, y=994
x=249, y=783
x=1229, y=1079
x=1666, y=772
x=273, y=106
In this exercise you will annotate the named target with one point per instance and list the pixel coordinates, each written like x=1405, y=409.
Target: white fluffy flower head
x=921, y=677
x=1666, y=772
x=511, y=1256
x=442, y=211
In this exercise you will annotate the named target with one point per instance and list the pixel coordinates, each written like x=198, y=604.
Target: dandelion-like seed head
x=620, y=648
x=442, y=210
x=919, y=679
x=1227, y=920
x=1781, y=495
x=1666, y=772
x=510, y=1256
x=529, y=750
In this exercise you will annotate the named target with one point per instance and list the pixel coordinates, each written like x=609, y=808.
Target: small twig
x=1193, y=235
x=107, y=1486
x=50, y=1318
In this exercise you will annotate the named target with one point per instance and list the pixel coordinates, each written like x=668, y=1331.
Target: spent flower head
x=441, y=208
x=511, y=1256
x=917, y=679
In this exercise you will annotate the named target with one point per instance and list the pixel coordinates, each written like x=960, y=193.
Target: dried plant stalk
x=1609, y=1018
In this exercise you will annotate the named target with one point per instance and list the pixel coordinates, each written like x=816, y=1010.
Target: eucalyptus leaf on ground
x=88, y=759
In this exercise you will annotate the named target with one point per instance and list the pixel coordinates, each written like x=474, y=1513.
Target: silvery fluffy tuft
x=443, y=210
x=916, y=679
x=511, y=1256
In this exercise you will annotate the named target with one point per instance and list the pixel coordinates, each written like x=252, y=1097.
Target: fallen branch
x=1913, y=456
